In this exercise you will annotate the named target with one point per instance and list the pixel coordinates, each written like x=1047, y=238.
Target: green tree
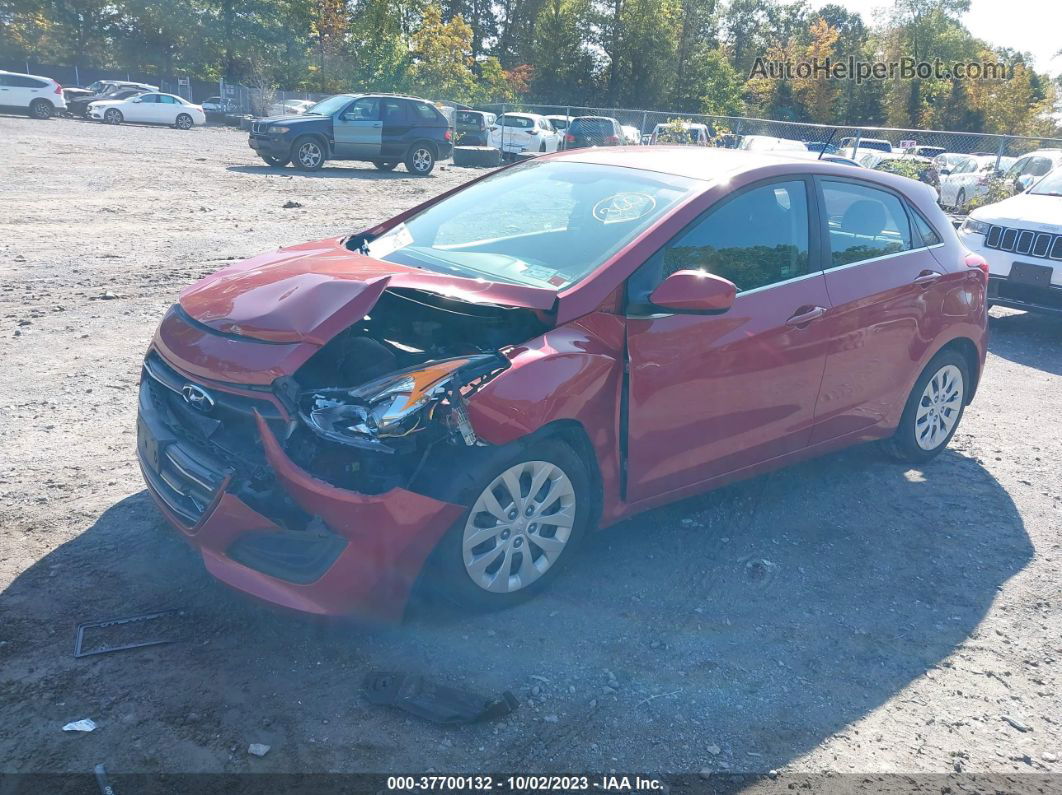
x=442, y=57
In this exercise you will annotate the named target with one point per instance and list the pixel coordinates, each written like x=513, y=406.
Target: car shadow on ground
x=762, y=618
x=329, y=172
x=1028, y=338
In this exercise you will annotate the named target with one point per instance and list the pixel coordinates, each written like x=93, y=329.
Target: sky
x=1028, y=25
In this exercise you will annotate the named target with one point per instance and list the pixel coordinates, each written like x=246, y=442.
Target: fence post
x=858, y=138
x=999, y=152
x=77, y=75
x=645, y=119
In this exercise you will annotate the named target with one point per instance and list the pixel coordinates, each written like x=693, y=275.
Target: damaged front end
x=384, y=404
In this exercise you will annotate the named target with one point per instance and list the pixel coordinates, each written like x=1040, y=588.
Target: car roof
x=24, y=74
x=714, y=163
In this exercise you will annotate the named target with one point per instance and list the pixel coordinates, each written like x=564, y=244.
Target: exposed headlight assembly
x=279, y=130
x=398, y=404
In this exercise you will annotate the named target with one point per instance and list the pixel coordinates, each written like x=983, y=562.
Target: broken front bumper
x=358, y=554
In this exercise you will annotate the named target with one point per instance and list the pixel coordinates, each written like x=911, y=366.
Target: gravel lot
x=904, y=620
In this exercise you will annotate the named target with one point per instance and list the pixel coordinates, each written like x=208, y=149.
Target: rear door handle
x=926, y=278
x=804, y=318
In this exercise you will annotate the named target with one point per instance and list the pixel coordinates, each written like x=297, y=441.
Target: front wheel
x=933, y=409
x=184, y=122
x=420, y=160
x=385, y=165
x=113, y=116
x=526, y=515
x=277, y=161
x=41, y=109
x=308, y=154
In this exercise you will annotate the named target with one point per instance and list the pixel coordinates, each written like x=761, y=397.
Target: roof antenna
x=829, y=140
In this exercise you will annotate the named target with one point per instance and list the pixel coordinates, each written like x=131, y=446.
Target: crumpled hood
x=1026, y=210
x=311, y=292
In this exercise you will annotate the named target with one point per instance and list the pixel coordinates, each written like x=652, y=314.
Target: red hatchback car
x=454, y=397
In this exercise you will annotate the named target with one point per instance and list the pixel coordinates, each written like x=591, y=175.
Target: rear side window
x=165, y=100
x=393, y=111
x=924, y=230
x=591, y=127
x=24, y=82
x=425, y=112
x=149, y=98
x=755, y=239
x=1038, y=166
x=864, y=222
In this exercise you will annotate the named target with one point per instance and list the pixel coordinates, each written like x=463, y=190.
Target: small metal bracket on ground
x=79, y=639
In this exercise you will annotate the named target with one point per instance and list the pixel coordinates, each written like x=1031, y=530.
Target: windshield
x=539, y=224
x=1051, y=185
x=326, y=107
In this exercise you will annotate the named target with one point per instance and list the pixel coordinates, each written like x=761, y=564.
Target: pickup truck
x=384, y=129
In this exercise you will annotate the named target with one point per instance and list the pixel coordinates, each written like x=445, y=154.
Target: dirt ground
x=904, y=620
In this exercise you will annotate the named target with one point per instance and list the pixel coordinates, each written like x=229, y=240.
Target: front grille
x=1025, y=241
x=187, y=454
x=256, y=127
x=228, y=429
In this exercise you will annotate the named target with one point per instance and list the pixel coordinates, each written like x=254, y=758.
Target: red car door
x=886, y=290
x=708, y=395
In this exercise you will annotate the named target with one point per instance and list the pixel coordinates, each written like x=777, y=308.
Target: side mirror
x=694, y=292
x=1024, y=182
x=945, y=171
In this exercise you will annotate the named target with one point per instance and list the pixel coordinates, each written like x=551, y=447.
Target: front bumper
x=1012, y=286
x=267, y=145
x=357, y=555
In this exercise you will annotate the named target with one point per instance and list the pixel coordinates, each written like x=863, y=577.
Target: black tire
x=904, y=444
x=41, y=109
x=113, y=116
x=308, y=153
x=542, y=147
x=277, y=161
x=184, y=122
x=385, y=165
x=445, y=575
x=477, y=156
x=420, y=159
x=960, y=199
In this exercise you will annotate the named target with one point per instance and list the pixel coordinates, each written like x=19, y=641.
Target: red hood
x=311, y=292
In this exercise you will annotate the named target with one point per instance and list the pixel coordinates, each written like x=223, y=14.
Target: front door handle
x=377, y=124
x=926, y=278
x=803, y=318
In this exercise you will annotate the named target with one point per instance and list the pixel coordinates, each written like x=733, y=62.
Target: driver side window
x=755, y=239
x=364, y=109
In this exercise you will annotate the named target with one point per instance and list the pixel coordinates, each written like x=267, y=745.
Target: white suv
x=41, y=97
x=1021, y=238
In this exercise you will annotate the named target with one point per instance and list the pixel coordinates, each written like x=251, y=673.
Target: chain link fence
x=734, y=131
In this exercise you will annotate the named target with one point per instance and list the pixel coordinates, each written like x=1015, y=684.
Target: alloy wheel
x=939, y=407
x=310, y=154
x=113, y=116
x=519, y=526
x=41, y=109
x=422, y=159
x=184, y=122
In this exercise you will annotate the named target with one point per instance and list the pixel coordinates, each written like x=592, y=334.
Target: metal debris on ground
x=258, y=749
x=437, y=703
x=79, y=639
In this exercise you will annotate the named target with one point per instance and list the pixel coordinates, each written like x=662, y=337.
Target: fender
x=571, y=373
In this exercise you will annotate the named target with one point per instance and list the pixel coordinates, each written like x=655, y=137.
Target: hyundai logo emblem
x=197, y=397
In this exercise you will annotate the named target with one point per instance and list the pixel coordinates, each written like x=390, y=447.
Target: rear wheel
x=41, y=109
x=308, y=154
x=960, y=200
x=113, y=116
x=277, y=161
x=184, y=122
x=933, y=409
x=420, y=159
x=526, y=515
x=385, y=165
